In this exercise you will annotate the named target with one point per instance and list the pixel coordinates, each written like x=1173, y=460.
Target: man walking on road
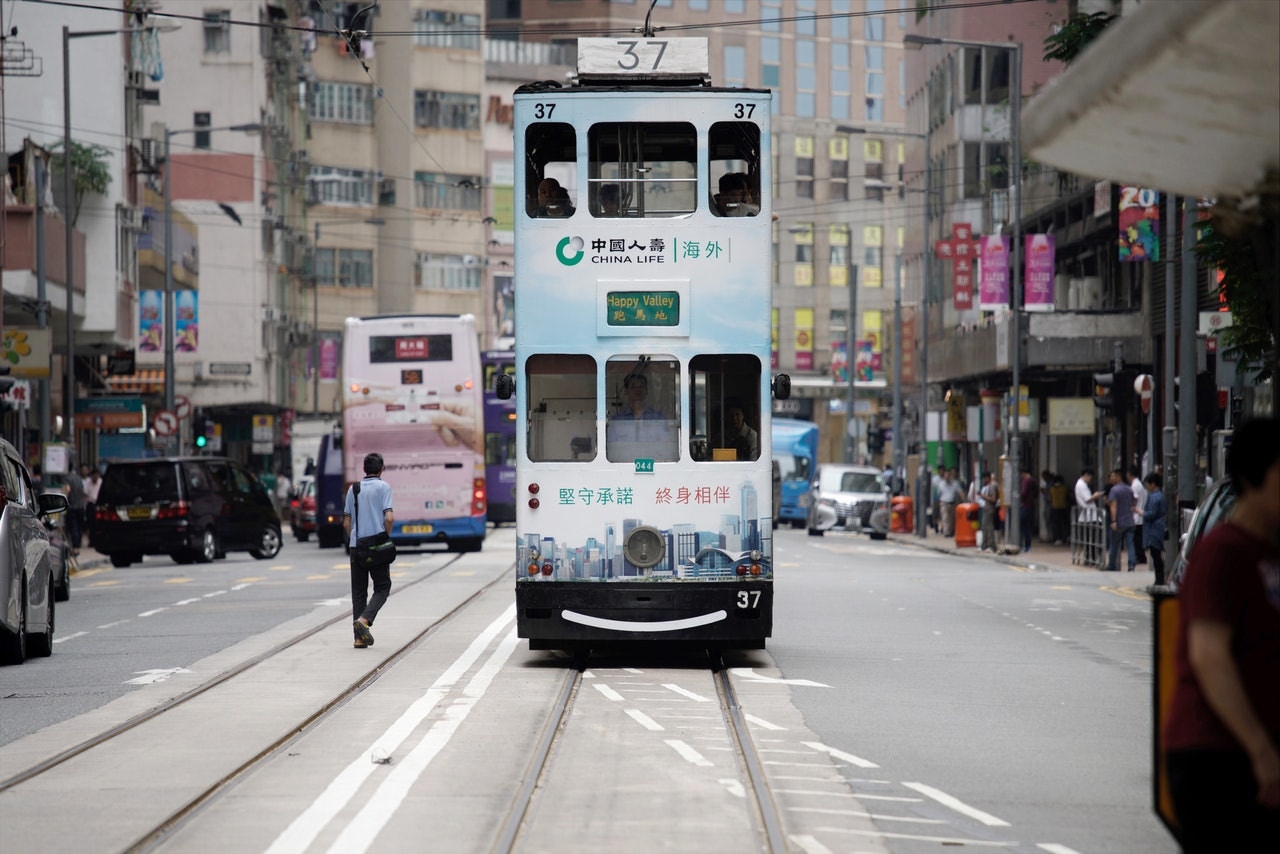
x=371, y=516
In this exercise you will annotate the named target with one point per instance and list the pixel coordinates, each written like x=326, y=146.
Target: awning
x=142, y=381
x=1182, y=97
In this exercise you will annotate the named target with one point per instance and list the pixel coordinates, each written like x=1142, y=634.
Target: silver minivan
x=850, y=497
x=29, y=562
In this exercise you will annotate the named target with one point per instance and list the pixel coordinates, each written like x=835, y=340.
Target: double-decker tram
x=499, y=438
x=411, y=392
x=642, y=353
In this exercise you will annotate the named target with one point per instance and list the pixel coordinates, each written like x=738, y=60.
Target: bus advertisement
x=411, y=392
x=499, y=438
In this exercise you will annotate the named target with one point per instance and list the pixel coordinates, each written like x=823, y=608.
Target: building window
x=447, y=272
x=350, y=103
x=735, y=7
x=217, y=31
x=453, y=110
x=770, y=14
x=203, y=136
x=433, y=28
x=327, y=185
x=804, y=167
x=838, y=157
x=838, y=259
x=450, y=192
x=873, y=169
x=770, y=63
x=875, y=109
x=839, y=22
x=735, y=65
x=347, y=268
x=873, y=23
x=806, y=21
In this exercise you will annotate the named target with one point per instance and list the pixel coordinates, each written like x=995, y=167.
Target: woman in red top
x=1221, y=737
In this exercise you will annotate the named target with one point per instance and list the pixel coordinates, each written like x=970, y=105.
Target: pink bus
x=412, y=393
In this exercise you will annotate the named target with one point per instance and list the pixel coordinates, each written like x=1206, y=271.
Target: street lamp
x=915, y=42
x=315, y=304
x=170, y=326
x=69, y=399
x=897, y=324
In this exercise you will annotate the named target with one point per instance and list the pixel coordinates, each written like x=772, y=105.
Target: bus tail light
x=478, y=500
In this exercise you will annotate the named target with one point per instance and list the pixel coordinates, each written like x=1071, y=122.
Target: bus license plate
x=416, y=529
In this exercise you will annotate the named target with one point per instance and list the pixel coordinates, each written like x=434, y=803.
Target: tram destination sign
x=643, y=308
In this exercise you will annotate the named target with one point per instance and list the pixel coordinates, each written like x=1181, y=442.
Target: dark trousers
x=361, y=604
x=1215, y=798
x=75, y=525
x=1026, y=521
x=1137, y=538
x=1157, y=562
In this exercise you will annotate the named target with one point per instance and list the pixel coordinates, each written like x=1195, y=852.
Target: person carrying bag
x=371, y=549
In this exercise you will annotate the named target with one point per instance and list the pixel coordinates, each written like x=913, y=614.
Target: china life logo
x=570, y=251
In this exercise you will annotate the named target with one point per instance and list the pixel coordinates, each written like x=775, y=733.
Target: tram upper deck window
x=643, y=400
x=654, y=166
x=562, y=408
x=550, y=169
x=734, y=149
x=724, y=407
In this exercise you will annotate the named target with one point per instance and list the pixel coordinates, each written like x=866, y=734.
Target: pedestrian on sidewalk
x=1139, y=502
x=92, y=479
x=1059, y=511
x=1028, y=498
x=1120, y=499
x=949, y=494
x=1153, y=524
x=73, y=488
x=989, y=501
x=1222, y=734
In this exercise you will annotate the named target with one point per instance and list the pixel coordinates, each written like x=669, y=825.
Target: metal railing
x=1088, y=537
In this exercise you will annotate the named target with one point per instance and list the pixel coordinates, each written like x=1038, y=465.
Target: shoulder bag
x=375, y=551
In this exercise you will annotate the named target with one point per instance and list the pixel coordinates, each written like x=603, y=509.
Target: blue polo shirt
x=375, y=500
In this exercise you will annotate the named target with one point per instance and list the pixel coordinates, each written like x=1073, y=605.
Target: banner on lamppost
x=1138, y=219
x=1037, y=280
x=994, y=291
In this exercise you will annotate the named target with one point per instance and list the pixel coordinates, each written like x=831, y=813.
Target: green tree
x=89, y=173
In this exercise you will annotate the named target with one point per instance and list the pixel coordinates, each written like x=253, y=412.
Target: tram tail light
x=533, y=568
x=548, y=568
x=741, y=569
x=533, y=488
x=755, y=569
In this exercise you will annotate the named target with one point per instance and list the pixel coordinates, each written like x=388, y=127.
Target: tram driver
x=638, y=422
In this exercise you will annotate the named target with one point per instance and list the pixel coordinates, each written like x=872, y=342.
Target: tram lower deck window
x=561, y=400
x=724, y=407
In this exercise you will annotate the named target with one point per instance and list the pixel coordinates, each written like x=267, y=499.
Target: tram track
x=755, y=787
x=226, y=676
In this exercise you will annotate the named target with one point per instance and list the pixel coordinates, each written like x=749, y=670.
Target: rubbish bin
x=900, y=519
x=966, y=525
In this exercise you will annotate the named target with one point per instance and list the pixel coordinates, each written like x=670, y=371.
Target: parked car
x=193, y=509
x=850, y=497
x=28, y=562
x=302, y=509
x=1212, y=509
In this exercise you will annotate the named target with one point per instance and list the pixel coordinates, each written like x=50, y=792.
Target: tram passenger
x=735, y=198
x=610, y=204
x=553, y=200
x=741, y=435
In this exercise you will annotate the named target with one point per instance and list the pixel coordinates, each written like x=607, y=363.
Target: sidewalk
x=1042, y=556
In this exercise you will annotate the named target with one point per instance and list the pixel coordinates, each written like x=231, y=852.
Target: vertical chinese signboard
x=961, y=250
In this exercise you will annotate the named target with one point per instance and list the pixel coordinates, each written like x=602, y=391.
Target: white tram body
x=642, y=346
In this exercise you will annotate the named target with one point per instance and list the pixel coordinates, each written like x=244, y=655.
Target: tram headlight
x=645, y=546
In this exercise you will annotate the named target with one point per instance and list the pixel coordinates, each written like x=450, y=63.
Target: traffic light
x=875, y=440
x=1104, y=391
x=203, y=426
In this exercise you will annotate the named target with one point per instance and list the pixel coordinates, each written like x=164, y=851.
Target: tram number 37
x=748, y=598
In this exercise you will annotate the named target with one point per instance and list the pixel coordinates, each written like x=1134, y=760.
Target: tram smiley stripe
x=642, y=626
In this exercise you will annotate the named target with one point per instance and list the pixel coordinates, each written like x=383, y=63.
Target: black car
x=193, y=509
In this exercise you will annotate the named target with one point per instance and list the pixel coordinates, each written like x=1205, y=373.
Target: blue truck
x=795, y=450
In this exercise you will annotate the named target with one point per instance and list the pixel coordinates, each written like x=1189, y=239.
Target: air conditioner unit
x=130, y=218
x=270, y=314
x=137, y=79
x=470, y=261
